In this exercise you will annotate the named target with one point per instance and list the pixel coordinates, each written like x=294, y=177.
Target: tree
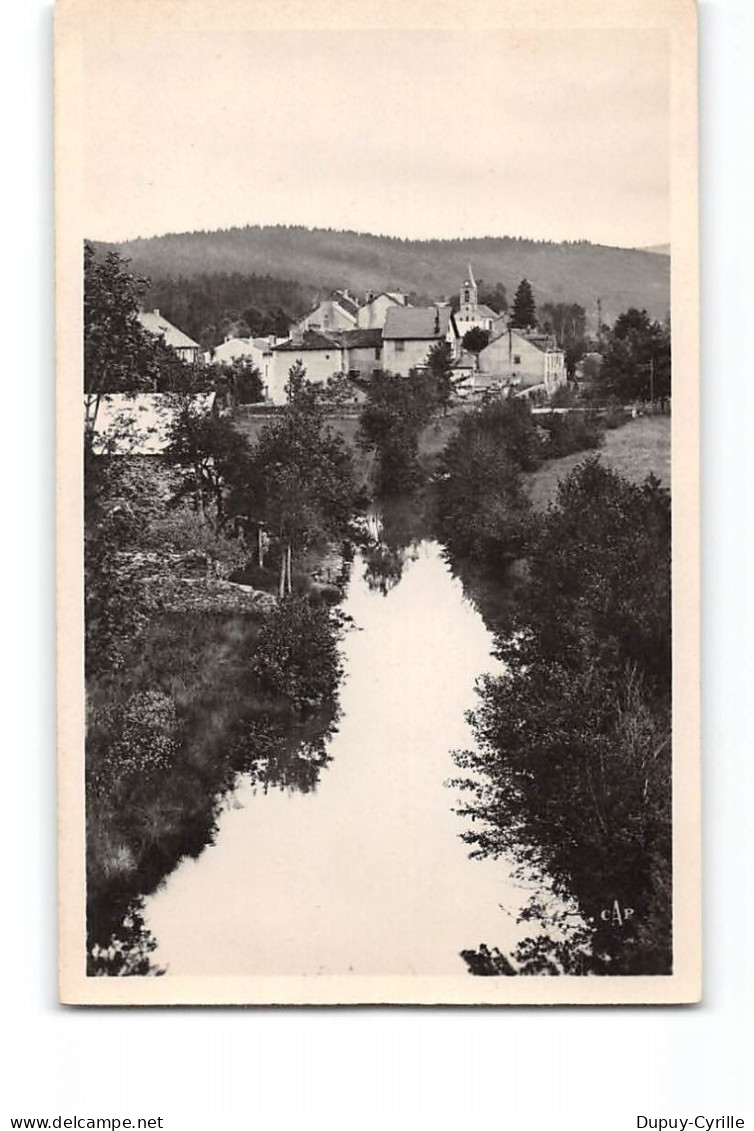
x=483, y=508
x=495, y=297
x=440, y=365
x=299, y=483
x=301, y=395
x=119, y=355
x=637, y=362
x=565, y=320
x=391, y=421
x=243, y=380
x=213, y=456
x=475, y=339
x=524, y=313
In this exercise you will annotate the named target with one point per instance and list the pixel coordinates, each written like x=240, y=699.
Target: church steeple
x=469, y=295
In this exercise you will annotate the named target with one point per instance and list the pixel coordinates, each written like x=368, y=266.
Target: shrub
x=574, y=432
x=134, y=739
x=296, y=655
x=563, y=397
x=482, y=508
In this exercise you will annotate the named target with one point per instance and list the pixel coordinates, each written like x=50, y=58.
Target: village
x=353, y=337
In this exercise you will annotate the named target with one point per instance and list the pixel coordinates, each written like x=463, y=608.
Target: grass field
x=639, y=447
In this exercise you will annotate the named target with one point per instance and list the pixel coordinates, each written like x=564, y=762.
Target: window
x=400, y=345
x=377, y=354
x=517, y=359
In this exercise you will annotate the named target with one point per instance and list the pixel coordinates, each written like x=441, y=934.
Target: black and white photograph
x=377, y=471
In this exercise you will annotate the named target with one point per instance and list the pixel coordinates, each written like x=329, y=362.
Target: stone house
x=411, y=331
x=524, y=360
x=362, y=350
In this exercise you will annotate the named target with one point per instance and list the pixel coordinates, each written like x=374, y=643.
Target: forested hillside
x=209, y=306
x=320, y=259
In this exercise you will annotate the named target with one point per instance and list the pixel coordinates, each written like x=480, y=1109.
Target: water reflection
x=366, y=873
x=274, y=752
x=395, y=528
x=128, y=947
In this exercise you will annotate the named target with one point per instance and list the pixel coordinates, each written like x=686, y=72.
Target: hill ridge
x=324, y=258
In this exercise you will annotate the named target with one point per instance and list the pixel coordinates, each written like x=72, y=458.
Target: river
x=366, y=873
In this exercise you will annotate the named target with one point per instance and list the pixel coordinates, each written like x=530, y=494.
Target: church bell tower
x=469, y=298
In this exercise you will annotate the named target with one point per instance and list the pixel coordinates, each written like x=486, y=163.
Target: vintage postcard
x=378, y=502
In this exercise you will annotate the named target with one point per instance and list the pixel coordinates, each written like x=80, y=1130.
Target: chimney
x=369, y=296
x=156, y=312
x=297, y=335
x=437, y=321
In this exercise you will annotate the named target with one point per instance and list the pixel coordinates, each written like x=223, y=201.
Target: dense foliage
x=190, y=680
x=475, y=339
x=636, y=362
x=210, y=307
x=572, y=776
x=299, y=480
x=483, y=512
x=395, y=413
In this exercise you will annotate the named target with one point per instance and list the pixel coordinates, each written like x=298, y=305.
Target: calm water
x=366, y=873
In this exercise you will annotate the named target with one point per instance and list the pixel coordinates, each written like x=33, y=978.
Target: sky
x=547, y=135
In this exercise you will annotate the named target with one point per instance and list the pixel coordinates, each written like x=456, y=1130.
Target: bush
x=574, y=432
x=483, y=511
x=296, y=654
x=563, y=397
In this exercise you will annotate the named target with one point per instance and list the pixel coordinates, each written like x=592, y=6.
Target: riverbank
x=573, y=775
x=200, y=695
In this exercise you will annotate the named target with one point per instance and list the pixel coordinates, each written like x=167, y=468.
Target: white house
x=411, y=331
x=258, y=351
x=322, y=355
x=373, y=311
x=154, y=323
x=523, y=359
x=337, y=312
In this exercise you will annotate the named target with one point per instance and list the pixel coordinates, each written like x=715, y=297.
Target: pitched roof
x=543, y=342
x=311, y=340
x=361, y=339
x=466, y=360
x=154, y=323
x=349, y=304
x=426, y=323
x=139, y=424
